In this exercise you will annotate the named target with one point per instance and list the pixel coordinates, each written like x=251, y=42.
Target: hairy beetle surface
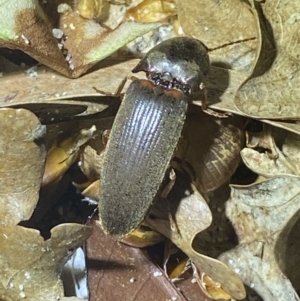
x=146, y=131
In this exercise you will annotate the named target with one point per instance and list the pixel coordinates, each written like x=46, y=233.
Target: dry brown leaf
x=143, y=237
x=48, y=87
x=60, y=157
x=30, y=265
x=120, y=272
x=22, y=164
x=188, y=214
x=151, y=11
x=222, y=84
x=214, y=161
x=78, y=43
x=216, y=23
x=88, y=42
x=274, y=161
x=275, y=94
x=176, y=263
x=210, y=288
x=263, y=215
x=89, y=9
x=291, y=126
x=92, y=191
x=25, y=26
x=91, y=162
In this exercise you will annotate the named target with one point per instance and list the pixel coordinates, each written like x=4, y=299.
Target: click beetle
x=146, y=131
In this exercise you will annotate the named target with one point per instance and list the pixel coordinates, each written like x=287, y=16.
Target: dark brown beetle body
x=180, y=63
x=146, y=131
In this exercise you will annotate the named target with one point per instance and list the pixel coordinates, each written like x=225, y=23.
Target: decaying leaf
x=176, y=263
x=25, y=26
x=263, y=215
x=212, y=23
x=273, y=160
x=89, y=9
x=60, y=157
x=120, y=272
x=143, y=237
x=22, y=153
x=71, y=48
x=152, y=11
x=88, y=42
x=214, y=161
x=92, y=191
x=209, y=287
x=30, y=266
x=275, y=94
x=180, y=217
x=91, y=163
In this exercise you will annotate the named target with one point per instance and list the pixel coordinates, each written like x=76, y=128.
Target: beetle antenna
x=231, y=43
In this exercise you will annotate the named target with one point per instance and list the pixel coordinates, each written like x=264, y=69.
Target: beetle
x=146, y=131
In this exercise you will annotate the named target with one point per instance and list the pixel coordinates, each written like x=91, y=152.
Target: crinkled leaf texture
x=30, y=266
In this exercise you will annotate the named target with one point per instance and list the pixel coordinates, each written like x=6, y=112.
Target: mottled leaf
x=275, y=93
x=22, y=153
x=77, y=44
x=263, y=215
x=180, y=217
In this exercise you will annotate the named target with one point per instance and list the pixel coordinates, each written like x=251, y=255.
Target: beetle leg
x=118, y=92
x=105, y=137
x=169, y=186
x=173, y=224
x=184, y=166
x=205, y=108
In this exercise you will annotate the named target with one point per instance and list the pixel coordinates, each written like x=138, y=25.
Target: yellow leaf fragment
x=143, y=237
x=60, y=157
x=89, y=9
x=92, y=191
x=152, y=11
x=212, y=289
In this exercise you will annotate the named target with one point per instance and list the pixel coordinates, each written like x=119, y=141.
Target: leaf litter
x=263, y=214
x=30, y=265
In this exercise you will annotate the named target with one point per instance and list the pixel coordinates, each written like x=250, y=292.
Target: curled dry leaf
x=176, y=263
x=22, y=163
x=209, y=287
x=25, y=26
x=74, y=48
x=91, y=162
x=88, y=42
x=152, y=11
x=275, y=93
x=30, y=265
x=212, y=23
x=89, y=9
x=143, y=237
x=180, y=217
x=92, y=191
x=284, y=161
x=120, y=272
x=263, y=215
x=214, y=161
x=60, y=157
